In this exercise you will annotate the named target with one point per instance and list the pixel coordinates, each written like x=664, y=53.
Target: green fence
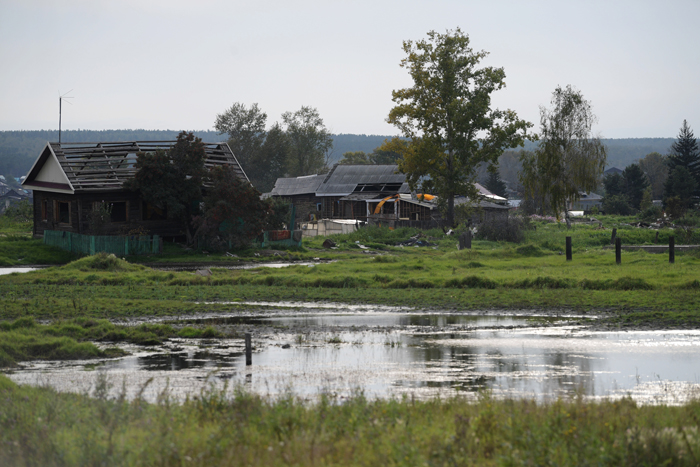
x=91, y=244
x=280, y=238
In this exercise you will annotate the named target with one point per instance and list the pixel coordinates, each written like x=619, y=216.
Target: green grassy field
x=61, y=311
x=231, y=427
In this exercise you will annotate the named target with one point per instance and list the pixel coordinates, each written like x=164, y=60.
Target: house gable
x=47, y=174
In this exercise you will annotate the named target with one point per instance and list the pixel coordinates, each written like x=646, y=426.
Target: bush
x=617, y=204
x=509, y=229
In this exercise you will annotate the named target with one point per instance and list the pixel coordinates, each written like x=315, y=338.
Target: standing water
x=389, y=354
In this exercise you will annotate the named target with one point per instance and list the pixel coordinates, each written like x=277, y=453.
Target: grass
x=24, y=339
x=232, y=427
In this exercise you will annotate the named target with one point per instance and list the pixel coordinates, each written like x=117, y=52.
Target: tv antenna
x=60, y=101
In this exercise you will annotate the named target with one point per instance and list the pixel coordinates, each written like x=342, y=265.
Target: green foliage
x=173, y=180
x=655, y=167
x=233, y=427
x=635, y=185
x=616, y=204
x=378, y=157
x=495, y=185
x=233, y=214
x=511, y=229
x=568, y=160
x=684, y=153
x=309, y=141
x=447, y=119
x=680, y=188
x=22, y=212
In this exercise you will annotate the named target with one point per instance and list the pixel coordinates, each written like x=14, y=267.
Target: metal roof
x=297, y=186
x=106, y=166
x=344, y=179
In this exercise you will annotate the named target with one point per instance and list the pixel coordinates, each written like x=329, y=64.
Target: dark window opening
x=153, y=213
x=119, y=212
x=62, y=212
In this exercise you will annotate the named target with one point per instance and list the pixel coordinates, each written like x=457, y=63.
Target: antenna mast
x=60, y=101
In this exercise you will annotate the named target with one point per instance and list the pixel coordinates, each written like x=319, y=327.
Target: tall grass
x=232, y=427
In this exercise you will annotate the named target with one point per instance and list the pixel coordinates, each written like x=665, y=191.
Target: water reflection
x=419, y=354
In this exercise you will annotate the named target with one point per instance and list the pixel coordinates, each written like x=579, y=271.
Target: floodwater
x=271, y=264
x=4, y=271
x=394, y=353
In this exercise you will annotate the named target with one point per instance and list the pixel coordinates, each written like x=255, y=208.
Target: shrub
x=508, y=229
x=471, y=282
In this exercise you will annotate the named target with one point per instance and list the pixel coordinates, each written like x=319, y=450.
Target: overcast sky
x=175, y=64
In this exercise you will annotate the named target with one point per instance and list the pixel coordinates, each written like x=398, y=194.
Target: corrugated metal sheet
x=344, y=179
x=297, y=186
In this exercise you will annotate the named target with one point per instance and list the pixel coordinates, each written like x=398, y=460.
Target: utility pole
x=60, y=101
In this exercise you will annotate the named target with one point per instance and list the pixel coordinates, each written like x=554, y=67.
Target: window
x=119, y=212
x=61, y=211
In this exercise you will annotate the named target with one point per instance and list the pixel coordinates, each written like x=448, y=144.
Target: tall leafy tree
x=635, y=184
x=684, y=153
x=233, y=212
x=655, y=167
x=273, y=159
x=355, y=158
x=245, y=128
x=309, y=142
x=447, y=119
x=173, y=180
x=568, y=160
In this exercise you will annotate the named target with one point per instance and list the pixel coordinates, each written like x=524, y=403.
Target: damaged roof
x=297, y=186
x=85, y=167
x=345, y=179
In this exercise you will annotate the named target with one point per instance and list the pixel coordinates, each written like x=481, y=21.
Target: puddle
x=275, y=264
x=387, y=354
x=4, y=271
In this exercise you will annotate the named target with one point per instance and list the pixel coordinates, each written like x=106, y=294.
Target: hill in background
x=19, y=149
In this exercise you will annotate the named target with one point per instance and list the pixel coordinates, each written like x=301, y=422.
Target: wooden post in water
x=671, y=249
x=568, y=248
x=248, y=350
x=614, y=234
x=618, y=250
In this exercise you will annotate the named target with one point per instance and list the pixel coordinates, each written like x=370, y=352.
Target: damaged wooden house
x=373, y=194
x=70, y=181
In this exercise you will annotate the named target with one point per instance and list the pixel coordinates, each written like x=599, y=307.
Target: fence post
x=618, y=250
x=126, y=246
x=248, y=350
x=614, y=234
x=671, y=249
x=92, y=244
x=568, y=248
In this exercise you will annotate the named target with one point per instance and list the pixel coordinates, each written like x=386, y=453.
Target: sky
x=176, y=64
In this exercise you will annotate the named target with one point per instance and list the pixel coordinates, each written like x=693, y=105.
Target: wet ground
x=4, y=271
x=309, y=348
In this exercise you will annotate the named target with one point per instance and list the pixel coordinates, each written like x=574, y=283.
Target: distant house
x=586, y=202
x=11, y=196
x=70, y=180
x=300, y=191
x=612, y=171
x=376, y=194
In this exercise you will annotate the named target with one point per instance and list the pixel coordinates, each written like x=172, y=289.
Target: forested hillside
x=19, y=149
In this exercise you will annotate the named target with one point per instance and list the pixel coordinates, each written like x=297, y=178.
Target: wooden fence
x=91, y=244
